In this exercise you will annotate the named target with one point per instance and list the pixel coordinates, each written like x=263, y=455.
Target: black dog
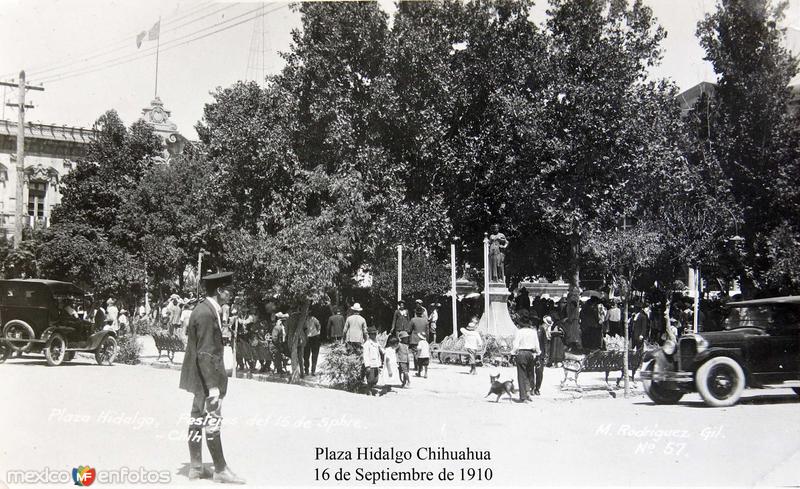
x=498, y=388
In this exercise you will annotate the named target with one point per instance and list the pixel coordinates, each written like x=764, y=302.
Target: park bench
x=169, y=343
x=452, y=350
x=605, y=361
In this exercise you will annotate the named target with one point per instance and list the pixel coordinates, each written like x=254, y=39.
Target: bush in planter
x=129, y=350
x=343, y=368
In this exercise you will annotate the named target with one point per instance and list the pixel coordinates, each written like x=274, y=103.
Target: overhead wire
x=140, y=54
x=172, y=46
x=75, y=64
x=109, y=47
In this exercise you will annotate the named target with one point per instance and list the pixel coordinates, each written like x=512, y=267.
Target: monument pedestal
x=500, y=323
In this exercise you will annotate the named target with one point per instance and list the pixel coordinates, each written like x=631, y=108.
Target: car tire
x=24, y=328
x=720, y=381
x=657, y=393
x=55, y=350
x=107, y=351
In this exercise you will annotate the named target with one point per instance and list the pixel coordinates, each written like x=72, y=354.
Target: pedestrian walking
x=335, y=326
x=423, y=356
x=526, y=347
x=543, y=335
x=314, y=331
x=174, y=310
x=279, y=347
x=472, y=343
x=203, y=375
x=432, y=320
x=419, y=324
x=355, y=328
x=371, y=355
x=400, y=320
x=402, y=359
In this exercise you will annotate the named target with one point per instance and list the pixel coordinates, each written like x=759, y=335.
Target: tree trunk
x=574, y=280
x=296, y=335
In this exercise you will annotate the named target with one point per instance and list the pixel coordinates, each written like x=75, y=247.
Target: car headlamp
x=702, y=343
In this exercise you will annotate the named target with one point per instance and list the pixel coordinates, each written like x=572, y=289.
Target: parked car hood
x=731, y=337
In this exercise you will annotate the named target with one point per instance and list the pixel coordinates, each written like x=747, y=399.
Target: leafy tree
x=752, y=134
x=84, y=244
x=609, y=143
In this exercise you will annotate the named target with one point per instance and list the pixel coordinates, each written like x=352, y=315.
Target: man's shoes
x=536, y=392
x=228, y=477
x=200, y=472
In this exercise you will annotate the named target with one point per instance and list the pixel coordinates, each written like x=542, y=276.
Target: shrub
x=343, y=368
x=129, y=350
x=145, y=326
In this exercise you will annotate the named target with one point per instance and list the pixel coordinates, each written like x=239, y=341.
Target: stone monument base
x=501, y=323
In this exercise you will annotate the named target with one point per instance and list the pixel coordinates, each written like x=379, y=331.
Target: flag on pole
x=154, y=31
x=140, y=38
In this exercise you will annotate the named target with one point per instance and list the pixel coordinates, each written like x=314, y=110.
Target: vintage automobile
x=758, y=348
x=38, y=316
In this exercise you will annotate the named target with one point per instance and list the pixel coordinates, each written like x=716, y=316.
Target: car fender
x=64, y=331
x=96, y=338
x=734, y=353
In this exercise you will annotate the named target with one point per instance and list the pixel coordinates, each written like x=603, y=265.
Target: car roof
x=787, y=299
x=55, y=286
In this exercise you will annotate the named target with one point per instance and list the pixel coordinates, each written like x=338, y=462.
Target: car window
x=749, y=317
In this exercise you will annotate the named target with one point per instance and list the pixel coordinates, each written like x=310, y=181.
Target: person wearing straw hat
x=526, y=348
x=203, y=374
x=355, y=329
x=472, y=343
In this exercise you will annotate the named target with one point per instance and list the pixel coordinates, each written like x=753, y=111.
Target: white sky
x=37, y=35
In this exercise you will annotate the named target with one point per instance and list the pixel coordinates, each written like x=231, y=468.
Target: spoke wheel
x=20, y=331
x=55, y=350
x=107, y=351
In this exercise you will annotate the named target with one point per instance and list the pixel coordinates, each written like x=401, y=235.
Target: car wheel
x=55, y=350
x=107, y=351
x=656, y=391
x=720, y=381
x=18, y=330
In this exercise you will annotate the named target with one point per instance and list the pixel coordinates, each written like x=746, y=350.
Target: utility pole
x=22, y=87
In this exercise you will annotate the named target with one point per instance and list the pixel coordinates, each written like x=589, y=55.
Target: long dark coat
x=203, y=368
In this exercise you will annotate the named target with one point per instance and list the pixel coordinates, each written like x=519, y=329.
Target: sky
x=84, y=52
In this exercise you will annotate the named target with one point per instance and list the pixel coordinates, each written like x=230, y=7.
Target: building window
x=36, y=194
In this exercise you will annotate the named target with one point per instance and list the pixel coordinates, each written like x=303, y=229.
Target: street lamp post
x=453, y=297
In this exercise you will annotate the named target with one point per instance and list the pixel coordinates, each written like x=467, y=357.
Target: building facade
x=51, y=152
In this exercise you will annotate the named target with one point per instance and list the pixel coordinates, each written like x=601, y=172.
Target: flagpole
x=158, y=46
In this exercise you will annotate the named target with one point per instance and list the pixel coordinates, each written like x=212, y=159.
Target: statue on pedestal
x=497, y=243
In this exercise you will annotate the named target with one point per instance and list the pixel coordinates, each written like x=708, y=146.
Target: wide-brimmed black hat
x=215, y=280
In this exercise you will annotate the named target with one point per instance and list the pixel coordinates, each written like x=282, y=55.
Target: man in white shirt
x=526, y=347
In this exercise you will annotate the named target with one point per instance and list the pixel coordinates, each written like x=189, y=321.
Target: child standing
x=390, y=365
x=402, y=358
x=472, y=342
x=423, y=355
x=371, y=354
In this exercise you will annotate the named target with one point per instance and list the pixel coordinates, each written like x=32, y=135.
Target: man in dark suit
x=203, y=374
